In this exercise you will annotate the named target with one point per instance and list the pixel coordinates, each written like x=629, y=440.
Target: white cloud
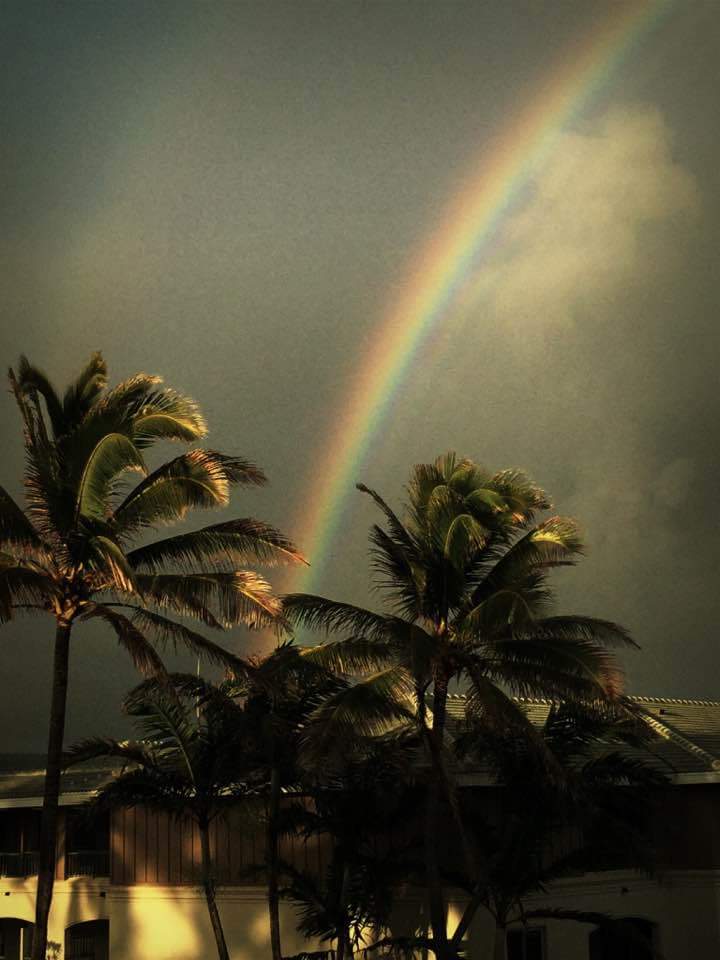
x=587, y=227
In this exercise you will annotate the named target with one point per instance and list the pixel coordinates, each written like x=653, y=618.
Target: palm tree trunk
x=344, y=948
x=49, y=819
x=272, y=863
x=436, y=902
x=500, y=951
x=209, y=887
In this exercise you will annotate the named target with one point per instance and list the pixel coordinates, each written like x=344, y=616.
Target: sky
x=234, y=195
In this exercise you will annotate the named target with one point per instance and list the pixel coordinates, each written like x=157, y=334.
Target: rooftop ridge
x=683, y=701
x=636, y=698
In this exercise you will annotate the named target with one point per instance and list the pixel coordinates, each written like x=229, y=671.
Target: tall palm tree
x=187, y=760
x=465, y=577
x=68, y=554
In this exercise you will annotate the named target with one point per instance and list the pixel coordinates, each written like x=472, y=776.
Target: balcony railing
x=87, y=863
x=18, y=864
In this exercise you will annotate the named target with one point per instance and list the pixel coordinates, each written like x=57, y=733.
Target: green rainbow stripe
x=444, y=263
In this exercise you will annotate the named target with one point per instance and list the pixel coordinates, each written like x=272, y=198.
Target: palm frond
x=20, y=585
x=103, y=556
x=464, y=538
x=112, y=455
x=351, y=655
x=143, y=654
x=169, y=633
x=85, y=389
x=369, y=708
x=555, y=542
x=490, y=711
x=94, y=748
x=216, y=598
x=233, y=542
x=398, y=573
x=150, y=410
x=199, y=478
x=155, y=789
x=581, y=659
x=524, y=497
x=397, y=530
x=167, y=723
x=590, y=629
x=16, y=530
x=318, y=613
x=32, y=381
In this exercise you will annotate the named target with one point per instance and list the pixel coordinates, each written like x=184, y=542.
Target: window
x=15, y=939
x=18, y=842
x=527, y=943
x=87, y=844
x=630, y=939
x=87, y=941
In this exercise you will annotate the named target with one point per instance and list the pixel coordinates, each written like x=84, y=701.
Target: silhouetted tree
x=68, y=553
x=188, y=760
x=465, y=577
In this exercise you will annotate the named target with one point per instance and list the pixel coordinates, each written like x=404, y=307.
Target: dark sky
x=230, y=195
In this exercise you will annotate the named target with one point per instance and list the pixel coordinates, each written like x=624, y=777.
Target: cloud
x=590, y=222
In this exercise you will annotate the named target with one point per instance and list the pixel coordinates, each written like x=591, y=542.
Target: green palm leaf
x=318, y=613
x=369, y=708
x=352, y=655
x=112, y=455
x=106, y=559
x=553, y=543
x=216, y=598
x=200, y=478
x=234, y=542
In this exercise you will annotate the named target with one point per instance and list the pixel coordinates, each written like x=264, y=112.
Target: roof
x=22, y=777
x=686, y=743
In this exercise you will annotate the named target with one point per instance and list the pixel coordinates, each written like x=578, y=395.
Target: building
x=127, y=888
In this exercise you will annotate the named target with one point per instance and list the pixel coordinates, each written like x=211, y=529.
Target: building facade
x=127, y=888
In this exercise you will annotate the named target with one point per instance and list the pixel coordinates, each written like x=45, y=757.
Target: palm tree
x=357, y=803
x=280, y=693
x=465, y=577
x=67, y=555
x=188, y=760
x=592, y=813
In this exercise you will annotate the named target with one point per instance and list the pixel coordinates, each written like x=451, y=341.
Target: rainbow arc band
x=443, y=263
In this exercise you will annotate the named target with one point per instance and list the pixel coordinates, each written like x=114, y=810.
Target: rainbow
x=443, y=264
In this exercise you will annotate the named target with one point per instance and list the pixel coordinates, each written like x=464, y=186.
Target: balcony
x=87, y=863
x=15, y=864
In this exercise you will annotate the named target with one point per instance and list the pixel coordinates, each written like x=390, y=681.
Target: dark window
x=629, y=939
x=18, y=842
x=15, y=939
x=87, y=941
x=528, y=943
x=87, y=844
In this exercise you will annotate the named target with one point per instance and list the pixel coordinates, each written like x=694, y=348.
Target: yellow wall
x=152, y=922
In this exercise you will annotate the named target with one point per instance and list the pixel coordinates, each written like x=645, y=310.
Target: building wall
x=151, y=847
x=159, y=922
x=156, y=910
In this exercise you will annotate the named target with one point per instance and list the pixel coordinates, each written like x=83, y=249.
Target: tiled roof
x=686, y=741
x=22, y=777
x=686, y=732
